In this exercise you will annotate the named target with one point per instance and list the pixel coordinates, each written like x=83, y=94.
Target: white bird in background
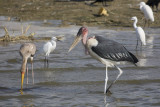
x=148, y=13
x=49, y=47
x=139, y=32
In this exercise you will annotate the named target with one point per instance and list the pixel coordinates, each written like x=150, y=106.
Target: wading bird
x=27, y=50
x=139, y=32
x=148, y=13
x=49, y=47
x=108, y=52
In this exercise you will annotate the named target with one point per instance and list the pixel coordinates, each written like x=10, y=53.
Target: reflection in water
x=142, y=58
x=105, y=101
x=149, y=41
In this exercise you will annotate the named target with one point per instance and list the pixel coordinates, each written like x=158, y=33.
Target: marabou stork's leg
x=106, y=80
x=120, y=73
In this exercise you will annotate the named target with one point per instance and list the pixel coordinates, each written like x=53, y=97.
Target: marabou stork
x=27, y=50
x=108, y=52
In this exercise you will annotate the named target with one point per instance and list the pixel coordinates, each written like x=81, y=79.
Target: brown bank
x=76, y=13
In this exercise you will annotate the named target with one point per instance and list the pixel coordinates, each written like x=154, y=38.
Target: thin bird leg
x=120, y=73
x=141, y=46
x=145, y=23
x=47, y=61
x=137, y=43
x=106, y=80
x=32, y=70
x=148, y=24
x=27, y=73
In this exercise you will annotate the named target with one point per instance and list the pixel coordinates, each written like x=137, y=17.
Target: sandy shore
x=75, y=13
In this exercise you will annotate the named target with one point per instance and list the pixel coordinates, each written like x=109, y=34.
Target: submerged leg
x=137, y=43
x=106, y=80
x=27, y=73
x=47, y=62
x=120, y=73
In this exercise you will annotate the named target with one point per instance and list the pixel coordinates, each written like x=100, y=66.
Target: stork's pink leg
x=32, y=73
x=27, y=74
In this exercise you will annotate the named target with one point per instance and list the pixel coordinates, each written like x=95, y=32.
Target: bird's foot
x=21, y=91
x=108, y=92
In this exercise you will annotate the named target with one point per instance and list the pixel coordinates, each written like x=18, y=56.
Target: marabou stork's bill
x=104, y=50
x=27, y=50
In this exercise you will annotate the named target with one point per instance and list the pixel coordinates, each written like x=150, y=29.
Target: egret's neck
x=141, y=7
x=135, y=24
x=53, y=42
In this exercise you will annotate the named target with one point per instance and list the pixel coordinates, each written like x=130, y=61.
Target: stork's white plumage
x=147, y=11
x=139, y=31
x=104, y=50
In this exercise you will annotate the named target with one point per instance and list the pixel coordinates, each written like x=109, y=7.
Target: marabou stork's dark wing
x=109, y=49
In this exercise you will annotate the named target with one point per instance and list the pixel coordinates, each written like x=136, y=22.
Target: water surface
x=75, y=79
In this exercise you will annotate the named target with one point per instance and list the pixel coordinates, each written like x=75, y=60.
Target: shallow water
x=76, y=80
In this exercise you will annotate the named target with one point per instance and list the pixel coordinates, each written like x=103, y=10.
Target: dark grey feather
x=109, y=49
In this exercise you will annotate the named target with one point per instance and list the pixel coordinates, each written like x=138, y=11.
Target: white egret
x=49, y=47
x=139, y=32
x=148, y=13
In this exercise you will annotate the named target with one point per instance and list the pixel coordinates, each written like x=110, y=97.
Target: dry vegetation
x=7, y=37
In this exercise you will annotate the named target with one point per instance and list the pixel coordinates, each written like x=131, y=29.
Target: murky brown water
x=76, y=80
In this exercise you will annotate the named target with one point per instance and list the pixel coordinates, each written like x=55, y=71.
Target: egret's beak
x=75, y=42
x=22, y=79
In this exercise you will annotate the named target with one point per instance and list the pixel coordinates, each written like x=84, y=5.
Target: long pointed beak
x=75, y=42
x=22, y=79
